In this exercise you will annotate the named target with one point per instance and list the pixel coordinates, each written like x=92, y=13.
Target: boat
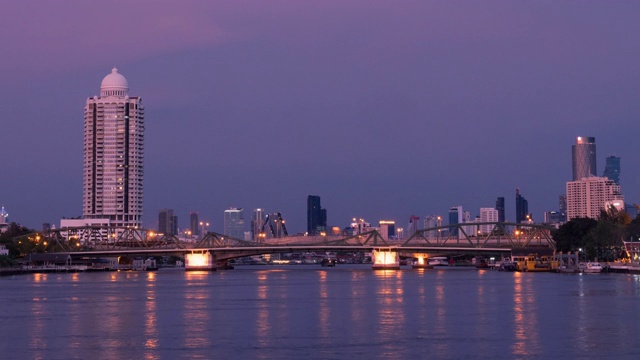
x=507, y=265
x=591, y=268
x=438, y=261
x=534, y=263
x=327, y=262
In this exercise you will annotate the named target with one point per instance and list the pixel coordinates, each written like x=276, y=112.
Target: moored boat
x=327, y=262
x=438, y=261
x=591, y=268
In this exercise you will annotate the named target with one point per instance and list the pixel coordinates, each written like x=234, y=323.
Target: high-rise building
x=234, y=223
x=432, y=221
x=387, y=229
x=522, y=207
x=554, y=218
x=562, y=204
x=500, y=208
x=414, y=225
x=587, y=197
x=167, y=222
x=316, y=216
x=488, y=215
x=193, y=223
x=456, y=216
x=257, y=223
x=584, y=157
x=612, y=169
x=113, y=154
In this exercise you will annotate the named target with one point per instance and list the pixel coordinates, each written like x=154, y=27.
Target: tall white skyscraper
x=114, y=154
x=586, y=197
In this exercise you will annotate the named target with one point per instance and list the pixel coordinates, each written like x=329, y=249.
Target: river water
x=310, y=312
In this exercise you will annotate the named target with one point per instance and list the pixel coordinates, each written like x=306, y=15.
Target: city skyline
x=385, y=111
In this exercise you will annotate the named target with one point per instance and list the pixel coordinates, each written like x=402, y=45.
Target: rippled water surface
x=310, y=312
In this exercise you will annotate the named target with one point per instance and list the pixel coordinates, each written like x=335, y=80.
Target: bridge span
x=467, y=238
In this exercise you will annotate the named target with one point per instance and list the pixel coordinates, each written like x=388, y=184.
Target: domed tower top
x=114, y=84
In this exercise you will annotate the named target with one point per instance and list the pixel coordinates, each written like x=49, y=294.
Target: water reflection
x=391, y=311
x=482, y=311
x=151, y=319
x=441, y=347
x=324, y=325
x=37, y=331
x=196, y=310
x=263, y=328
x=525, y=316
x=358, y=312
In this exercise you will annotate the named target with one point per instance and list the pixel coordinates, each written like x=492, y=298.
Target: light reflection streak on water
x=442, y=347
x=423, y=317
x=391, y=312
x=525, y=312
x=323, y=321
x=358, y=313
x=481, y=301
x=520, y=329
x=75, y=320
x=582, y=321
x=37, y=333
x=263, y=328
x=39, y=278
x=151, y=319
x=196, y=311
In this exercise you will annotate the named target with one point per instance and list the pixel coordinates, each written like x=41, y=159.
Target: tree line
x=600, y=239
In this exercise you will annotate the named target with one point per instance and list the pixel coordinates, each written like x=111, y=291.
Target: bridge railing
x=465, y=235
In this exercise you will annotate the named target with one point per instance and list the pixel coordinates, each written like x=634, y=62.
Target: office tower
x=562, y=203
x=455, y=217
x=586, y=197
x=500, y=208
x=257, y=225
x=584, y=158
x=612, y=169
x=488, y=215
x=432, y=221
x=522, y=208
x=234, y=223
x=554, y=218
x=387, y=229
x=414, y=225
x=167, y=222
x=113, y=154
x=193, y=224
x=316, y=216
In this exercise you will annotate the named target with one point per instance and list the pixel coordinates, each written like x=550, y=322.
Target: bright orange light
x=197, y=260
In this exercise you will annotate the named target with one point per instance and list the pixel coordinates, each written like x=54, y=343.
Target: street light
x=204, y=226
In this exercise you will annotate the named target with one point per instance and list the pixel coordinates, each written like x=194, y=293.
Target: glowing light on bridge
x=385, y=259
x=198, y=261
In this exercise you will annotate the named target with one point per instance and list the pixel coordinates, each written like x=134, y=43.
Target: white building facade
x=488, y=215
x=114, y=154
x=588, y=196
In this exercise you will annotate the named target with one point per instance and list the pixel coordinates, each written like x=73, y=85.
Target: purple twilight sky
x=383, y=108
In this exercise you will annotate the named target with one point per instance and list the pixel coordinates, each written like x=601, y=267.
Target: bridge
x=480, y=238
